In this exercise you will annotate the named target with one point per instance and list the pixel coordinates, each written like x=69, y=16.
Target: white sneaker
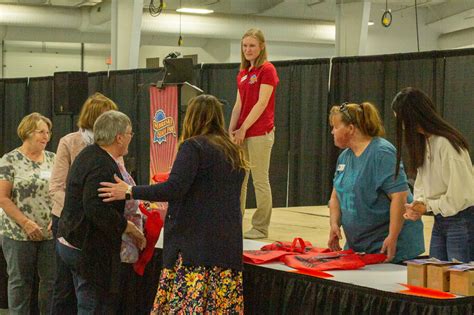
x=254, y=234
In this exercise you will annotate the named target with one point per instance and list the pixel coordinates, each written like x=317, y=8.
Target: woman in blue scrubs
x=367, y=199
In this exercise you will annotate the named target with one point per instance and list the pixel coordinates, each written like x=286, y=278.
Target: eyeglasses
x=344, y=109
x=131, y=133
x=44, y=132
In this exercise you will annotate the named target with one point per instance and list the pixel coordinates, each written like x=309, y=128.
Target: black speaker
x=70, y=92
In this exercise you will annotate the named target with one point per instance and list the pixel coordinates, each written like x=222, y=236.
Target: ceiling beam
x=453, y=23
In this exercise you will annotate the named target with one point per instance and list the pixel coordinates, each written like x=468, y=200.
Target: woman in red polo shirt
x=252, y=124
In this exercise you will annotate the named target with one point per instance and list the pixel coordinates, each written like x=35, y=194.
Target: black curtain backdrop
x=281, y=146
x=123, y=87
x=458, y=104
x=15, y=100
x=40, y=99
x=40, y=95
x=308, y=125
x=2, y=117
x=99, y=82
x=303, y=157
x=220, y=81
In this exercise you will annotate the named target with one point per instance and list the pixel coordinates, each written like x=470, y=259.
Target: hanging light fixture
x=180, y=39
x=156, y=10
x=386, y=16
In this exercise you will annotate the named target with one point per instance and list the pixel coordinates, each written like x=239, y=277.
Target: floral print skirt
x=199, y=290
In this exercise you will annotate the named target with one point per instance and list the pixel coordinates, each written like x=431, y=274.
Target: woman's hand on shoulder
x=113, y=191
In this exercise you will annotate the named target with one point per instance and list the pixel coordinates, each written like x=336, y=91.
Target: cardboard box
x=438, y=276
x=416, y=273
x=462, y=280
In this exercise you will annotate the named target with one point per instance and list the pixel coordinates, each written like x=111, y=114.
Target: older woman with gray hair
x=90, y=231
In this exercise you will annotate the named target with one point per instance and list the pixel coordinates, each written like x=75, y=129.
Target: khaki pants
x=257, y=151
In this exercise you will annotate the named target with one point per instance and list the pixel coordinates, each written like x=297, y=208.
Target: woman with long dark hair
x=202, y=249
x=445, y=181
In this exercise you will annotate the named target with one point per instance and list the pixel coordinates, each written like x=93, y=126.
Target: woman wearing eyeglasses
x=445, y=178
x=90, y=232
x=64, y=296
x=27, y=244
x=367, y=199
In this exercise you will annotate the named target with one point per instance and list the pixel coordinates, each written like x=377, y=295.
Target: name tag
x=45, y=174
x=341, y=167
x=243, y=78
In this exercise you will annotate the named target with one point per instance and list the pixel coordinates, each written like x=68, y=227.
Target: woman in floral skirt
x=202, y=250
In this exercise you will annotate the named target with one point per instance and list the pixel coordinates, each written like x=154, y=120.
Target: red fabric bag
x=340, y=260
x=160, y=177
x=152, y=230
x=298, y=245
x=318, y=250
x=277, y=250
x=263, y=256
x=371, y=259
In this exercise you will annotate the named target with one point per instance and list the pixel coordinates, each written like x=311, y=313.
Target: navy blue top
x=204, y=220
x=362, y=185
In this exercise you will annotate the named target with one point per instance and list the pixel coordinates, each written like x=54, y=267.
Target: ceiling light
x=195, y=11
x=387, y=18
x=371, y=23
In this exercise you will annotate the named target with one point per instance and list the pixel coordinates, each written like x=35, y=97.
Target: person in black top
x=90, y=231
x=202, y=250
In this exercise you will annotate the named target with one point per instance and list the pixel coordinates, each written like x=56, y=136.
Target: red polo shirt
x=248, y=83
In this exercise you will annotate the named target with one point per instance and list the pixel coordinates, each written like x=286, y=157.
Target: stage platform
x=310, y=223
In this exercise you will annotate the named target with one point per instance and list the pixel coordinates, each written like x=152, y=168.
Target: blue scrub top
x=362, y=185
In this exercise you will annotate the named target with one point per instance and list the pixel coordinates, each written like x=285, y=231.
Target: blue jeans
x=453, y=237
x=64, y=294
x=24, y=259
x=91, y=299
